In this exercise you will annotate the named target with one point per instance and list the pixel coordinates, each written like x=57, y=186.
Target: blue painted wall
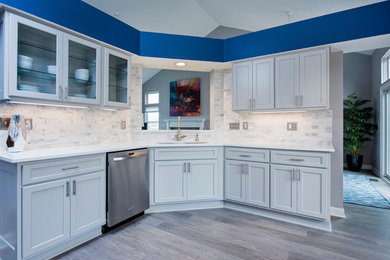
x=352, y=24
x=347, y=25
x=181, y=47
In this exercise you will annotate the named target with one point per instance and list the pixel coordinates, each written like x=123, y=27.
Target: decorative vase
x=15, y=140
x=354, y=162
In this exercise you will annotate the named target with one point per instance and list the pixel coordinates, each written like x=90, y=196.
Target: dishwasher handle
x=130, y=156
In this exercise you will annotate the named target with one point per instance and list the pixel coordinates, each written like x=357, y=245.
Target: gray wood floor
x=228, y=234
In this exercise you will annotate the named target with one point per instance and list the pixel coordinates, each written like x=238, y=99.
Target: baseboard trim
x=337, y=212
x=297, y=220
x=185, y=206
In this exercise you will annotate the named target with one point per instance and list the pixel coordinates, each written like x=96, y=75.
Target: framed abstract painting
x=185, y=97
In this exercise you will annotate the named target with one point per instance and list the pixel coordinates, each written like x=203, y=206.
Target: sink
x=182, y=142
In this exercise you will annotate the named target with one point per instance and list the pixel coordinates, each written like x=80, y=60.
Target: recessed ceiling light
x=180, y=64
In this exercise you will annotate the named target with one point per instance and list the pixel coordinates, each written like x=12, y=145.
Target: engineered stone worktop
x=54, y=153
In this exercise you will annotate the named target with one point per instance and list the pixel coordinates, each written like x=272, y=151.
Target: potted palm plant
x=358, y=129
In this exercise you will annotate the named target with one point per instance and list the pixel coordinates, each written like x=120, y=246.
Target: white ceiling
x=200, y=17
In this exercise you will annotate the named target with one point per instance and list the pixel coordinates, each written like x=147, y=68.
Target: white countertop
x=53, y=153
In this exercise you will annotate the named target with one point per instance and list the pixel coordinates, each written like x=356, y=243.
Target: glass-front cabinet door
x=35, y=64
x=117, y=73
x=82, y=67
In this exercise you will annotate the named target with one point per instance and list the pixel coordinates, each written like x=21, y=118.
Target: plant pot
x=354, y=162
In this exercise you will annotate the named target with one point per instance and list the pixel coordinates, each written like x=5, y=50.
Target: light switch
x=291, y=126
x=28, y=123
x=245, y=125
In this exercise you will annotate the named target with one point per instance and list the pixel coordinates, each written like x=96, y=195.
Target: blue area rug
x=359, y=190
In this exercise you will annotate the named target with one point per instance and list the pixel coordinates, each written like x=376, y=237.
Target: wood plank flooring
x=229, y=234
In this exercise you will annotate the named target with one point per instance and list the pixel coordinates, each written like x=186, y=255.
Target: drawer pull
x=246, y=156
x=74, y=187
x=67, y=189
x=71, y=168
x=297, y=160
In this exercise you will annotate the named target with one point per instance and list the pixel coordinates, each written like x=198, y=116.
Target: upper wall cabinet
x=302, y=80
x=34, y=60
x=117, y=72
x=293, y=81
x=45, y=64
x=253, y=85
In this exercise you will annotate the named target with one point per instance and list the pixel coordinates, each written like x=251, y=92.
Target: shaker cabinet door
x=242, y=86
x=263, y=84
x=170, y=181
x=88, y=202
x=287, y=81
x=202, y=179
x=283, y=188
x=234, y=181
x=45, y=216
x=257, y=184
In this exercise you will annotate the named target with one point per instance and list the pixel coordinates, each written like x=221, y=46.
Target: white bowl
x=81, y=74
x=25, y=62
x=52, y=69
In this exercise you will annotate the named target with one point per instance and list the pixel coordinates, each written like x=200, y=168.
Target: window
x=152, y=115
x=386, y=67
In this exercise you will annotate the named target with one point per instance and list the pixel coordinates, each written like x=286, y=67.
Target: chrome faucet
x=179, y=136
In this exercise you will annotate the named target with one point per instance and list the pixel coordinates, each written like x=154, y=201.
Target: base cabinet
x=46, y=216
x=177, y=181
x=300, y=190
x=247, y=182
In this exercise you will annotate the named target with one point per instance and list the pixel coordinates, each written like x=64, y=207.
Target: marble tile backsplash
x=56, y=126
x=59, y=126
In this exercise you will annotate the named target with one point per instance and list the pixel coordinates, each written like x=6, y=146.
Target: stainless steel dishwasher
x=127, y=185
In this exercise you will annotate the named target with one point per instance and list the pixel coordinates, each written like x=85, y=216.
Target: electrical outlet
x=28, y=123
x=5, y=123
x=291, y=126
x=234, y=126
x=123, y=124
x=245, y=125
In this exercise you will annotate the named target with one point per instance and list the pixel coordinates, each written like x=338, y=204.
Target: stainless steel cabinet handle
x=296, y=160
x=299, y=175
x=244, y=155
x=74, y=187
x=247, y=168
x=60, y=91
x=242, y=168
x=293, y=174
x=184, y=167
x=71, y=168
x=66, y=92
x=254, y=103
x=189, y=167
x=67, y=189
x=250, y=103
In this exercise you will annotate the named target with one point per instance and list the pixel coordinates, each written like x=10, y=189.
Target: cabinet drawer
x=247, y=154
x=60, y=168
x=311, y=159
x=163, y=154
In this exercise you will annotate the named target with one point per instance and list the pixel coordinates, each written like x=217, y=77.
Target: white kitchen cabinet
x=242, y=86
x=257, y=184
x=82, y=70
x=283, y=188
x=87, y=203
x=300, y=190
x=46, y=216
x=263, y=84
x=186, y=180
x=202, y=179
x=312, y=192
x=287, y=81
x=170, y=181
x=117, y=75
x=253, y=85
x=313, y=79
x=32, y=48
x=247, y=182
x=234, y=181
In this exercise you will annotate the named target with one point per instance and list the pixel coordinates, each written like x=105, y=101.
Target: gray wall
x=375, y=88
x=357, y=78
x=336, y=104
x=160, y=82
